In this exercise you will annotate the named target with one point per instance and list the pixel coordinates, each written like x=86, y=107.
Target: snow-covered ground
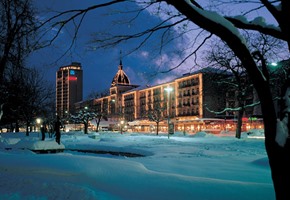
x=201, y=166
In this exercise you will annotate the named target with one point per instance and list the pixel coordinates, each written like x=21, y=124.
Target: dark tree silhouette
x=18, y=28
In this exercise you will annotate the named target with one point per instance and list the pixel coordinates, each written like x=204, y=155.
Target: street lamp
x=168, y=90
x=38, y=122
x=274, y=64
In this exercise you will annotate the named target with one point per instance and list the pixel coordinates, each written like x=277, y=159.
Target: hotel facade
x=184, y=102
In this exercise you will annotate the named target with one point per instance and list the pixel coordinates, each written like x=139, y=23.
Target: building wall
x=187, y=105
x=188, y=95
x=186, y=100
x=69, y=88
x=193, y=96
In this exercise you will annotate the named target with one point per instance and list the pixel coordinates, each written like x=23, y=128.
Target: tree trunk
x=279, y=161
x=279, y=158
x=16, y=126
x=239, y=124
x=27, y=128
x=86, y=128
x=240, y=121
x=1, y=109
x=157, y=128
x=98, y=125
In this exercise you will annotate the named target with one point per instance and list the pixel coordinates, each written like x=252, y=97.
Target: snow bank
x=182, y=167
x=203, y=134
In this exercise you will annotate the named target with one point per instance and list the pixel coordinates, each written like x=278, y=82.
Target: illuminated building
x=185, y=104
x=69, y=88
x=187, y=101
x=112, y=105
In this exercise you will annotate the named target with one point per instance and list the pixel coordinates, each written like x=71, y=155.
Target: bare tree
x=225, y=27
x=28, y=97
x=221, y=57
x=83, y=116
x=37, y=95
x=156, y=114
x=17, y=27
x=17, y=33
x=237, y=83
x=98, y=118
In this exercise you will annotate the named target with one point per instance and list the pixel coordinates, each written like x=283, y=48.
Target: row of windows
x=194, y=91
x=61, y=93
x=129, y=110
x=129, y=106
x=184, y=93
x=129, y=103
x=188, y=114
x=188, y=101
x=188, y=83
x=129, y=97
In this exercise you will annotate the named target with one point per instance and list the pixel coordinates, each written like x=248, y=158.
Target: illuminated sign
x=72, y=78
x=250, y=119
x=244, y=119
x=253, y=118
x=72, y=72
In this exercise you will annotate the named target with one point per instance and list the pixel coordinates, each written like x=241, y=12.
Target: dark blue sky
x=100, y=66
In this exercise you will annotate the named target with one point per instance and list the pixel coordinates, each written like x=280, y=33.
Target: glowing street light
x=168, y=90
x=274, y=64
x=38, y=122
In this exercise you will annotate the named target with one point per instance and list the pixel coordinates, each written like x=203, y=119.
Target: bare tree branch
x=232, y=109
x=257, y=27
x=189, y=55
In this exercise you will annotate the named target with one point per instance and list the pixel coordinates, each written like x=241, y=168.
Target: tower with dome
x=120, y=84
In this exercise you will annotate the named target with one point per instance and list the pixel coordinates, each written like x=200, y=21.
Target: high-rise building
x=69, y=88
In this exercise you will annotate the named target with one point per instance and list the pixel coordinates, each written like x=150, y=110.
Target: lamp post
x=168, y=90
x=84, y=117
x=66, y=117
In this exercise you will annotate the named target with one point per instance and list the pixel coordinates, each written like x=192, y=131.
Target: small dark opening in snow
x=47, y=151
x=114, y=153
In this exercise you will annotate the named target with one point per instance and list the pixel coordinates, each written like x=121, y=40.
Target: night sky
x=100, y=65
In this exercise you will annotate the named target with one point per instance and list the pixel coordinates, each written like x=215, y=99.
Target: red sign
x=244, y=119
x=72, y=78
